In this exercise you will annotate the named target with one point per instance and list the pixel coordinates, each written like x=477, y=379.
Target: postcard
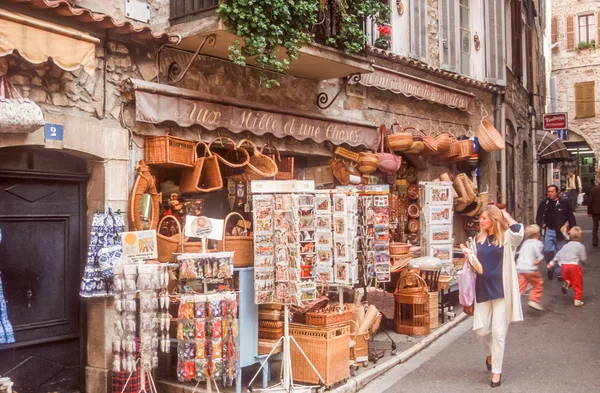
x=323, y=204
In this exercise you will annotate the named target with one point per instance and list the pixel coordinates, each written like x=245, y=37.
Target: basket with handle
x=489, y=138
x=168, y=246
x=452, y=152
x=285, y=165
x=466, y=148
x=411, y=311
x=400, y=141
x=260, y=166
x=347, y=155
x=430, y=144
x=233, y=160
x=242, y=245
x=417, y=145
x=169, y=151
x=144, y=183
x=444, y=141
x=204, y=176
x=367, y=162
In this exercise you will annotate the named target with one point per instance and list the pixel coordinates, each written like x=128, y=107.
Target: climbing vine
x=265, y=26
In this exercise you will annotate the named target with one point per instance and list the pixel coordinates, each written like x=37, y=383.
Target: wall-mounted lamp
x=477, y=42
x=399, y=7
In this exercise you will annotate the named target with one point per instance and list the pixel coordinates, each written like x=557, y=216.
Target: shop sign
x=555, y=121
x=157, y=108
x=420, y=89
x=139, y=245
x=53, y=132
x=561, y=134
x=204, y=227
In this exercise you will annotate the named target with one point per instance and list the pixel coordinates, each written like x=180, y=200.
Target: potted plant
x=385, y=37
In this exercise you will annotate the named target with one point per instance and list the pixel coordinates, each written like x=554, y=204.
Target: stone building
x=573, y=87
x=462, y=61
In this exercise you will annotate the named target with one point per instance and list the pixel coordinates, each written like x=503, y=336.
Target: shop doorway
x=42, y=218
x=582, y=161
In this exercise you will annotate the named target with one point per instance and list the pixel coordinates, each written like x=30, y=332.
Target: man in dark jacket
x=552, y=214
x=593, y=209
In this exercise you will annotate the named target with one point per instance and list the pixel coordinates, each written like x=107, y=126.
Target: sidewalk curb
x=360, y=381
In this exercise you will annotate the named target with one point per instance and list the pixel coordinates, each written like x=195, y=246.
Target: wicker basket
x=270, y=333
x=452, y=152
x=242, y=245
x=401, y=141
x=270, y=324
x=270, y=315
x=328, y=318
x=466, y=149
x=347, y=155
x=168, y=246
x=285, y=165
x=260, y=166
x=168, y=151
x=327, y=349
x=399, y=248
x=367, y=162
x=144, y=183
x=444, y=282
x=360, y=352
x=444, y=141
x=233, y=160
x=417, y=145
x=204, y=176
x=489, y=138
x=434, y=321
x=266, y=346
x=430, y=144
x=411, y=313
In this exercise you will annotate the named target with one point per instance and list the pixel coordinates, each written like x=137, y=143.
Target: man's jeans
x=596, y=219
x=552, y=245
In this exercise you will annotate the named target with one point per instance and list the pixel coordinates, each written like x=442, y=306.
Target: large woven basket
x=260, y=166
x=466, y=149
x=489, y=138
x=285, y=165
x=327, y=349
x=367, y=162
x=204, y=176
x=444, y=141
x=144, y=184
x=411, y=313
x=169, y=151
x=400, y=141
x=452, y=152
x=169, y=246
x=233, y=159
x=430, y=144
x=242, y=245
x=461, y=190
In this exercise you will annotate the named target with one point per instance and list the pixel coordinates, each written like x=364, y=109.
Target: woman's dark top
x=488, y=285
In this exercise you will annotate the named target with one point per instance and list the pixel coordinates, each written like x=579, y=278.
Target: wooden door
x=42, y=218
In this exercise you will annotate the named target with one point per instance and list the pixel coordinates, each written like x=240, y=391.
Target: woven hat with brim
x=474, y=208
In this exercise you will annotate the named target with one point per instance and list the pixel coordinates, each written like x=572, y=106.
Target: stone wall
x=570, y=67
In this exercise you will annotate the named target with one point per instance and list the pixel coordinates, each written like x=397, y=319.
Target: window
x=455, y=36
x=465, y=38
x=587, y=28
x=585, y=100
x=418, y=29
x=494, y=41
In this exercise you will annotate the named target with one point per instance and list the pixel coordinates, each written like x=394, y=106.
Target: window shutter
x=598, y=27
x=579, y=109
x=418, y=29
x=516, y=34
x=589, y=97
x=570, y=33
x=448, y=26
x=495, y=42
x=554, y=38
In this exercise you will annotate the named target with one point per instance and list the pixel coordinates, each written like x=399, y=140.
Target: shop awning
x=38, y=41
x=157, y=103
x=550, y=148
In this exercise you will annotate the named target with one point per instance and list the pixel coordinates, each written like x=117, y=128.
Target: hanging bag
x=388, y=162
x=260, y=166
x=242, y=245
x=17, y=115
x=233, y=159
x=400, y=141
x=204, y=176
x=285, y=165
x=466, y=287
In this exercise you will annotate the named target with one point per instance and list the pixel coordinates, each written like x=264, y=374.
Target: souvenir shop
x=244, y=248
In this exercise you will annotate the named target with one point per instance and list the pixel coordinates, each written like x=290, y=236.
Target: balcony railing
x=189, y=10
x=328, y=24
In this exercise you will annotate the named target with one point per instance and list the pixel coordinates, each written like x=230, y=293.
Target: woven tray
x=265, y=346
x=269, y=315
x=270, y=334
x=270, y=324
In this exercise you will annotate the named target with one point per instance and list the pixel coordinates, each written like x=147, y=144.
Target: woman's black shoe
x=488, y=365
x=496, y=384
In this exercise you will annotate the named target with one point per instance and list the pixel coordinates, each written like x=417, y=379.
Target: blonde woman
x=497, y=300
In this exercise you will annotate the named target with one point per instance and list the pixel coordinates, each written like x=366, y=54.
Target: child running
x=530, y=255
x=570, y=257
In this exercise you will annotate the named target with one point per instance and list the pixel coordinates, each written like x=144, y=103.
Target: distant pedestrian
x=593, y=210
x=552, y=214
x=573, y=188
x=497, y=300
x=570, y=258
x=530, y=255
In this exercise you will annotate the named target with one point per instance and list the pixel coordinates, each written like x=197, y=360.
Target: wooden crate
x=328, y=349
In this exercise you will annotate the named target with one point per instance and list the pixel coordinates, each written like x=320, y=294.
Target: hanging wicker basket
x=168, y=151
x=233, y=159
x=144, y=184
x=242, y=245
x=430, y=144
x=444, y=141
x=367, y=162
x=400, y=141
x=285, y=165
x=489, y=138
x=204, y=176
x=260, y=166
x=168, y=246
x=452, y=152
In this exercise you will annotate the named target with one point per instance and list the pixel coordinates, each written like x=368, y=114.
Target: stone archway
x=587, y=137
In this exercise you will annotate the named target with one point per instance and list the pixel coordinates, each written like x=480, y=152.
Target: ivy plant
x=266, y=26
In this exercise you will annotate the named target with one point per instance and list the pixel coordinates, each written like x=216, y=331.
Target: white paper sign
x=139, y=245
x=204, y=227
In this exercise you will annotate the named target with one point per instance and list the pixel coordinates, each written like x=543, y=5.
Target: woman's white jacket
x=510, y=281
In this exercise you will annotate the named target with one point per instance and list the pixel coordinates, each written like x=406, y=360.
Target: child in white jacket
x=530, y=255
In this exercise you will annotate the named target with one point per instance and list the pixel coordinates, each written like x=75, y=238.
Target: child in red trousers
x=570, y=257
x=530, y=255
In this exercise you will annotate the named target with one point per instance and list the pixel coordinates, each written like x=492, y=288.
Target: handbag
x=17, y=115
x=466, y=286
x=388, y=162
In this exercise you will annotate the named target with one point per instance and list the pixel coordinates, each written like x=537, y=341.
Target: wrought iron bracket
x=174, y=70
x=323, y=101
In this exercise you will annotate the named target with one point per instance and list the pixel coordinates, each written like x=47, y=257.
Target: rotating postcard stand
x=284, y=223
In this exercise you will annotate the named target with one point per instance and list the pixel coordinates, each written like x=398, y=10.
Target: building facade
x=462, y=61
x=573, y=87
